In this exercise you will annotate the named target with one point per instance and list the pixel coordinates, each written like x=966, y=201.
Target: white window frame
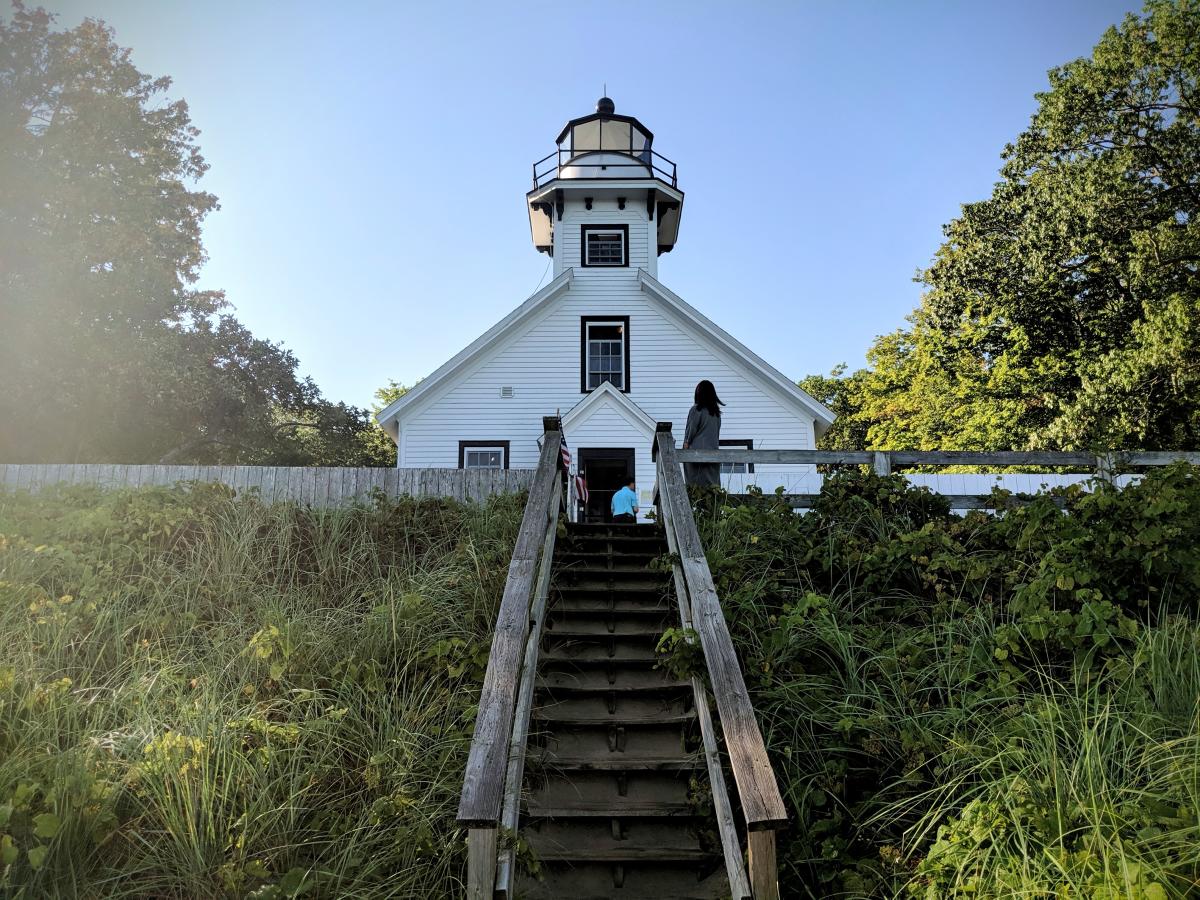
x=620, y=231
x=465, y=451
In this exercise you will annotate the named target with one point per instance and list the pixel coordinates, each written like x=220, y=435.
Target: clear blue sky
x=371, y=158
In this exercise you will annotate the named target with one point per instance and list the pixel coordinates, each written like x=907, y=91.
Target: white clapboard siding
x=312, y=486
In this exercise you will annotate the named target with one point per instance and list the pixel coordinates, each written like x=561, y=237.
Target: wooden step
x=626, y=561
x=632, y=841
x=616, y=762
x=593, y=680
x=627, y=575
x=615, y=710
x=624, y=651
x=617, y=542
x=609, y=601
x=573, y=623
x=604, y=742
x=644, y=881
x=582, y=588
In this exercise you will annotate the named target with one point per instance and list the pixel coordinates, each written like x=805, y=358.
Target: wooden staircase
x=614, y=757
x=607, y=769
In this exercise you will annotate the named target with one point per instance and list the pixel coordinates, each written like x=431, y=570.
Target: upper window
x=605, y=245
x=483, y=454
x=737, y=468
x=604, y=352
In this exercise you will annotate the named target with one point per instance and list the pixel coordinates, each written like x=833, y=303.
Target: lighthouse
x=605, y=344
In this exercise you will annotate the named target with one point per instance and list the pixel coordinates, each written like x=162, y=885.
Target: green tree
x=1063, y=310
x=108, y=351
x=836, y=390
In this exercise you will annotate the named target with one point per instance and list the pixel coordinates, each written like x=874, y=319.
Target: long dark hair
x=706, y=398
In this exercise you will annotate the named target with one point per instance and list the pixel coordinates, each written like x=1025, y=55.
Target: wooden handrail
x=762, y=804
x=510, y=812
x=895, y=458
x=735, y=868
x=480, y=804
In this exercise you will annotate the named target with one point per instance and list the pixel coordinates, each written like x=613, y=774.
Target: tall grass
x=204, y=696
x=945, y=715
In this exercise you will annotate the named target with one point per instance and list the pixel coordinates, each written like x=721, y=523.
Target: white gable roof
x=607, y=396
x=687, y=316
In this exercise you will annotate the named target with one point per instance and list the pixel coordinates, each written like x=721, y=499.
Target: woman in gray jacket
x=703, y=432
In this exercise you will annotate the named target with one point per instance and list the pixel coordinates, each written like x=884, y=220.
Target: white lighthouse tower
x=605, y=343
x=605, y=198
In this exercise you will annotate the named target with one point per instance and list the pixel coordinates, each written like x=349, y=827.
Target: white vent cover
x=506, y=392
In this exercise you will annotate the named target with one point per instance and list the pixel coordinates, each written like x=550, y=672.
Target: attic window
x=605, y=245
x=483, y=454
x=604, y=352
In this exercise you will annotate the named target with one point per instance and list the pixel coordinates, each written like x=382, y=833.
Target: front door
x=606, y=470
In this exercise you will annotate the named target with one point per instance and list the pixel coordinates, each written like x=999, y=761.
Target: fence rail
x=310, y=485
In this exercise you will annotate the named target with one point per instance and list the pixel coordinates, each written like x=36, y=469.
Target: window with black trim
x=604, y=245
x=737, y=468
x=604, y=352
x=483, y=454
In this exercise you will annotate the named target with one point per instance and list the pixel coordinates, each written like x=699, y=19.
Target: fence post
x=1105, y=469
x=883, y=463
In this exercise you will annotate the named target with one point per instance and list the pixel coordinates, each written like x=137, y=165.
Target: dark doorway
x=605, y=469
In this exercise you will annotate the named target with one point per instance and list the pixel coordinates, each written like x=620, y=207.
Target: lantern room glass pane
x=615, y=136
x=585, y=136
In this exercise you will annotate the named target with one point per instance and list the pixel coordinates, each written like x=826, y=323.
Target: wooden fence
x=310, y=485
x=1117, y=467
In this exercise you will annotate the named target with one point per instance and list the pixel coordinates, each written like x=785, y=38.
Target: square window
x=604, y=245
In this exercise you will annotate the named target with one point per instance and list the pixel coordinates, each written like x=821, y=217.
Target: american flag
x=581, y=490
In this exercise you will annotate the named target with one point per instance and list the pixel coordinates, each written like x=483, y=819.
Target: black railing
x=643, y=163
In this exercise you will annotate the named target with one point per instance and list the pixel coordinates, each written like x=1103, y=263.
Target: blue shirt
x=624, y=501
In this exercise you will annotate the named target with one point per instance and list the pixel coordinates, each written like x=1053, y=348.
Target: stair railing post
x=764, y=869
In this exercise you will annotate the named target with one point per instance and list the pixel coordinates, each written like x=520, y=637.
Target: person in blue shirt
x=624, y=503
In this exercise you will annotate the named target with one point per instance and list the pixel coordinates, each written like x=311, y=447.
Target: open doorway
x=605, y=469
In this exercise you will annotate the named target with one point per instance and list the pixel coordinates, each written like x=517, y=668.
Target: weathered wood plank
x=957, y=501
x=483, y=784
x=481, y=863
x=764, y=870
x=1156, y=457
x=757, y=788
x=902, y=457
x=788, y=457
